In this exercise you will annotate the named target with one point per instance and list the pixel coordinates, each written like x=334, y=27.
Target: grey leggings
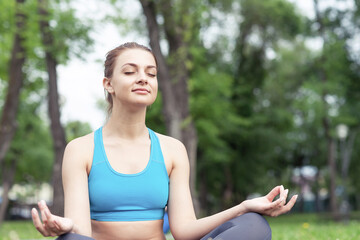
x=73, y=236
x=250, y=226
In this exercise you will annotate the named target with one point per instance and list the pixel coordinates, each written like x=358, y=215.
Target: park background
x=261, y=93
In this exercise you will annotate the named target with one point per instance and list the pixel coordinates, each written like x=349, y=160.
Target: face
x=134, y=80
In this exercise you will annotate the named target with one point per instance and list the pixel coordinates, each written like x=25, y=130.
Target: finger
x=286, y=194
x=57, y=225
x=289, y=205
x=292, y=202
x=282, y=193
x=275, y=205
x=42, y=206
x=37, y=222
x=49, y=222
x=273, y=193
x=35, y=218
x=47, y=218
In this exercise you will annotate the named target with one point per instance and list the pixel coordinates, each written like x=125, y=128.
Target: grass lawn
x=292, y=226
x=313, y=227
x=16, y=230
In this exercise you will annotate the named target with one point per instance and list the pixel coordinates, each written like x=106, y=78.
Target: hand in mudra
x=51, y=225
x=266, y=206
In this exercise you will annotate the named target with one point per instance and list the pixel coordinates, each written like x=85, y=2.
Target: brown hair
x=110, y=61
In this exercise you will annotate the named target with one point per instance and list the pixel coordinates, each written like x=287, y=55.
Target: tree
x=173, y=72
x=262, y=28
x=27, y=161
x=57, y=130
x=9, y=112
x=336, y=70
x=323, y=75
x=8, y=116
x=58, y=51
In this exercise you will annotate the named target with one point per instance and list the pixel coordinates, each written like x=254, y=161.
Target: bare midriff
x=139, y=230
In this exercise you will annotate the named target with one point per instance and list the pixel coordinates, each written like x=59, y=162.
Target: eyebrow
x=135, y=65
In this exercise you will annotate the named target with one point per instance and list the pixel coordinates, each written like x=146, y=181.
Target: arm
x=75, y=182
x=183, y=222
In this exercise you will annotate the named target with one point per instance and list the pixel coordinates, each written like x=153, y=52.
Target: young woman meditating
x=119, y=179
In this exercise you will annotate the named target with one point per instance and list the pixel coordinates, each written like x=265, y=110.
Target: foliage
x=7, y=27
x=75, y=129
x=31, y=147
x=257, y=98
x=259, y=146
x=34, y=160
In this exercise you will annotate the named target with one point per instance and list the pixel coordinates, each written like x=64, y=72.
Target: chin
x=142, y=104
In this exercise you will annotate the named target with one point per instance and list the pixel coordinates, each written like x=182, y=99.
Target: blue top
x=127, y=197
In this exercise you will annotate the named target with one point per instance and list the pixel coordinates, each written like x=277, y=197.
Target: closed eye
x=128, y=73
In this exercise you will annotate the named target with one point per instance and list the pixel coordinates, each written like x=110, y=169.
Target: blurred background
x=261, y=93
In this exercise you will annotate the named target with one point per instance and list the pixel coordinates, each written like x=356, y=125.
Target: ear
x=107, y=85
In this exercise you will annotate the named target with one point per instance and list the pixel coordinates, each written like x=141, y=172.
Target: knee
x=255, y=225
x=256, y=217
x=259, y=222
x=73, y=236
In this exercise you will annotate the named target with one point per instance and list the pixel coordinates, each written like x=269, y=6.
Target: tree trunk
x=203, y=193
x=227, y=200
x=8, y=175
x=332, y=170
x=173, y=83
x=331, y=146
x=9, y=112
x=57, y=130
x=346, y=152
x=318, y=207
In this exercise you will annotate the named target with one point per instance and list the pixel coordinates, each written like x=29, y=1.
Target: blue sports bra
x=127, y=197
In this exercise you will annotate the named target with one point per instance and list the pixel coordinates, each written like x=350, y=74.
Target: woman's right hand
x=51, y=225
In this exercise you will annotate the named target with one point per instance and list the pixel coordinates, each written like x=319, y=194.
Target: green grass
x=312, y=227
x=292, y=226
x=16, y=230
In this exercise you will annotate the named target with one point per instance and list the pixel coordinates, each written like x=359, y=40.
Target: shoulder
x=170, y=143
x=174, y=150
x=79, y=151
x=81, y=143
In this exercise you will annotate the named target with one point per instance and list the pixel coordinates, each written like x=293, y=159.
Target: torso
x=149, y=230
x=133, y=230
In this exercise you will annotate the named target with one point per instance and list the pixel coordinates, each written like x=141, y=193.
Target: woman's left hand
x=265, y=205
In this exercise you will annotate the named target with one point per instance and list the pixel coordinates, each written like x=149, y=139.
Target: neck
x=126, y=124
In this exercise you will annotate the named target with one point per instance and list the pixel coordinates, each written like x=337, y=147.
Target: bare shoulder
x=173, y=149
x=80, y=143
x=80, y=151
x=170, y=143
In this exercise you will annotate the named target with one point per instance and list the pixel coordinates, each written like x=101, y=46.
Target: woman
x=118, y=179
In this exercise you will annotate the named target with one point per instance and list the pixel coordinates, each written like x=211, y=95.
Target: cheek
x=155, y=89
x=156, y=85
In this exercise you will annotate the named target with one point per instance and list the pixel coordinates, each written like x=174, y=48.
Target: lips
x=141, y=90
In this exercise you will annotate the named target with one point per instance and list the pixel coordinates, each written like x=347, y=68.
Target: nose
x=142, y=78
